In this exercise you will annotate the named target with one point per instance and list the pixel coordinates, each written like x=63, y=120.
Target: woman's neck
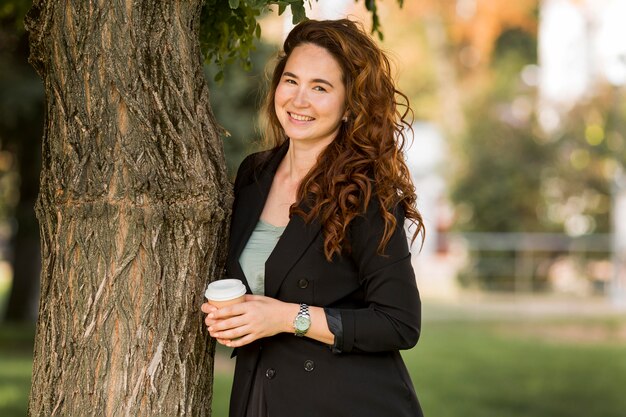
x=299, y=160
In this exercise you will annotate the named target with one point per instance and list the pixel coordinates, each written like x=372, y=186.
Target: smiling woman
x=317, y=235
x=310, y=97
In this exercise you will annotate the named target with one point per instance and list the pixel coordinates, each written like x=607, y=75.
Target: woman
x=317, y=236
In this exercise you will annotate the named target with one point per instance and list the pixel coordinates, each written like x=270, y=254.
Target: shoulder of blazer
x=370, y=221
x=254, y=164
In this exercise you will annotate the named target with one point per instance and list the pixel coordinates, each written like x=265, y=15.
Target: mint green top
x=259, y=247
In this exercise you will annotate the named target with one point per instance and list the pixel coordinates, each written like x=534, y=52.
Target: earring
x=345, y=118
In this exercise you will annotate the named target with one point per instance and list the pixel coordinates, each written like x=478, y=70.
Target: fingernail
x=210, y=315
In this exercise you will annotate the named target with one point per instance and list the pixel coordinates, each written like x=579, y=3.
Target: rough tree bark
x=133, y=207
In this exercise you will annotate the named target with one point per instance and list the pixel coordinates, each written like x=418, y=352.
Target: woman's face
x=310, y=97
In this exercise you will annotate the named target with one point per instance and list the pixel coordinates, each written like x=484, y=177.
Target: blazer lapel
x=250, y=202
x=295, y=240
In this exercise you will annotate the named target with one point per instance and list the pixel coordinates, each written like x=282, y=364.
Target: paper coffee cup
x=225, y=292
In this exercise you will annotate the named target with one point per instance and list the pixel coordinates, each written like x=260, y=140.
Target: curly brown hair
x=366, y=158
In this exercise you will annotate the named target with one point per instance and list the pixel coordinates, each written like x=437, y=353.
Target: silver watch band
x=302, y=322
x=304, y=310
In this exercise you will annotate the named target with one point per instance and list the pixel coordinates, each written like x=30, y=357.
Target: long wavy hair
x=366, y=158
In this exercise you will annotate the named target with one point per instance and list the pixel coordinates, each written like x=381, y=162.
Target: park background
x=518, y=158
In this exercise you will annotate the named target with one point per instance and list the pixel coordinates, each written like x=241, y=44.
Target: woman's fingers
x=224, y=342
x=234, y=329
x=233, y=336
x=242, y=341
x=229, y=311
x=227, y=334
x=208, y=309
x=226, y=324
x=209, y=321
x=243, y=323
x=230, y=328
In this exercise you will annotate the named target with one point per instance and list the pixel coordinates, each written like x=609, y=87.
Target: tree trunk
x=133, y=209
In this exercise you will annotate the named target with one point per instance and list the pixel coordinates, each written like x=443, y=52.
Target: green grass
x=16, y=350
x=476, y=369
x=460, y=369
x=221, y=394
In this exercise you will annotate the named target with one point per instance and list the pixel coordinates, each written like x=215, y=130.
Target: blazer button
x=303, y=283
x=270, y=373
x=309, y=365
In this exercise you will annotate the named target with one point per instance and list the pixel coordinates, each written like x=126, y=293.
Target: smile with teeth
x=301, y=117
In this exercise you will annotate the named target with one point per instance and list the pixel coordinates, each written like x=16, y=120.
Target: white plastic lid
x=225, y=289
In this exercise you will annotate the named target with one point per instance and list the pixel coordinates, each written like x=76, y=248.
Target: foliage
x=235, y=103
x=499, y=181
x=12, y=13
x=512, y=176
x=21, y=111
x=515, y=177
x=229, y=28
x=590, y=148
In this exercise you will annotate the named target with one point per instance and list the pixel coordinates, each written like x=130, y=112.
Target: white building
x=582, y=43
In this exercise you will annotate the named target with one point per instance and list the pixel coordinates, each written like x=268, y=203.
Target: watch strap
x=302, y=313
x=304, y=310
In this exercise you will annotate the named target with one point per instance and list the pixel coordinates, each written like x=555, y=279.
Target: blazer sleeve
x=392, y=319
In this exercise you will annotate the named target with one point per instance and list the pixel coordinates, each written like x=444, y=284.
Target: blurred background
x=518, y=158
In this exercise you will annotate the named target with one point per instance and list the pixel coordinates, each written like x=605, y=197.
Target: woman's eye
x=318, y=88
x=290, y=81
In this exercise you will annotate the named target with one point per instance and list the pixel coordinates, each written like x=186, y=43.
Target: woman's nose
x=300, y=98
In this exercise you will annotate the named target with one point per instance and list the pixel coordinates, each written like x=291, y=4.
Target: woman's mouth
x=300, y=117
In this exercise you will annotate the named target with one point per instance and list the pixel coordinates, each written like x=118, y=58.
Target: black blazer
x=375, y=295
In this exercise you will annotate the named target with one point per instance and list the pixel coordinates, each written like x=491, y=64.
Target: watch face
x=302, y=323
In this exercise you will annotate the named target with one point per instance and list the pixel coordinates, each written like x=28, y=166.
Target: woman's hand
x=257, y=317
x=208, y=309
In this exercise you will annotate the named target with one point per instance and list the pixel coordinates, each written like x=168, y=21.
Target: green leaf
x=228, y=29
x=299, y=14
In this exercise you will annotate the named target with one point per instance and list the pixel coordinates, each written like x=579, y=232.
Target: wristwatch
x=302, y=322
